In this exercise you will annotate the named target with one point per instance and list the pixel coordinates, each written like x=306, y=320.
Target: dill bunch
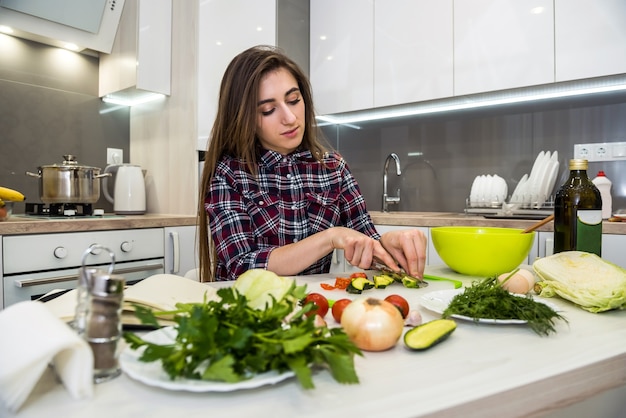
x=486, y=299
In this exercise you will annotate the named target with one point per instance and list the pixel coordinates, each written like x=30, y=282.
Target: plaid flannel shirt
x=292, y=197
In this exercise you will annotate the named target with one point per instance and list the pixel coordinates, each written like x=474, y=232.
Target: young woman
x=272, y=196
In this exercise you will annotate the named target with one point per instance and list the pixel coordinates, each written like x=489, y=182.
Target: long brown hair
x=234, y=129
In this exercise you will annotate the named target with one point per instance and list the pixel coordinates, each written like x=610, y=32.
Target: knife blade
x=382, y=267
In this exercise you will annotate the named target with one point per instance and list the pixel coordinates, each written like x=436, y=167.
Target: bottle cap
x=578, y=164
x=601, y=174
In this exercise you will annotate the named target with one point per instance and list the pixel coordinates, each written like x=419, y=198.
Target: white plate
x=439, y=300
x=620, y=215
x=152, y=373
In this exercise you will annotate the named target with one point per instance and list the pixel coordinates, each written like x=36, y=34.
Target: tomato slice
x=342, y=282
x=356, y=275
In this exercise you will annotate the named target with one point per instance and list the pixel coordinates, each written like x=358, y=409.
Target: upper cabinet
x=140, y=60
x=502, y=44
x=377, y=53
x=590, y=38
x=224, y=31
x=412, y=51
x=342, y=55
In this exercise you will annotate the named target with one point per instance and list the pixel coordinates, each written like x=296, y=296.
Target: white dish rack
x=513, y=210
x=531, y=198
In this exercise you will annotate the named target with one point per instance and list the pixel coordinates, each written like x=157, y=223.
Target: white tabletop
x=480, y=371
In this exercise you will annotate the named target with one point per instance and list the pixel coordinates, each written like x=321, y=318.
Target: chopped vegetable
x=228, y=340
x=381, y=281
x=340, y=283
x=358, y=285
x=487, y=299
x=592, y=283
x=424, y=336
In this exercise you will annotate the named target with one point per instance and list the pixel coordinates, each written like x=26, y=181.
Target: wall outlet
x=115, y=156
x=604, y=151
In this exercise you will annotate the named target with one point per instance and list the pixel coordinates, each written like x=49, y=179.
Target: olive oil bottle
x=578, y=212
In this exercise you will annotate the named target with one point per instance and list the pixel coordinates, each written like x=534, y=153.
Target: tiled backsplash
x=441, y=155
x=49, y=107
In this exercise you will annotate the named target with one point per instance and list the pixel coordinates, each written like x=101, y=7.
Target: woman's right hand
x=360, y=249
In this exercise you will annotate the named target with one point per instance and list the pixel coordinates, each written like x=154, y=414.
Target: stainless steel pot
x=69, y=182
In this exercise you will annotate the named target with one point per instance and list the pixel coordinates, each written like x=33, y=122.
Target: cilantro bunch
x=229, y=341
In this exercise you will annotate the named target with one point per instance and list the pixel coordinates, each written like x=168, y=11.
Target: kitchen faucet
x=390, y=199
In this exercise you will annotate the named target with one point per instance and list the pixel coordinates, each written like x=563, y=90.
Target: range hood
x=88, y=24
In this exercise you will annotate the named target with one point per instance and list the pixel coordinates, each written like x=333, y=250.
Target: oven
x=36, y=264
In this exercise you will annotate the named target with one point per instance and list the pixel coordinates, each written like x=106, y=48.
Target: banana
x=11, y=195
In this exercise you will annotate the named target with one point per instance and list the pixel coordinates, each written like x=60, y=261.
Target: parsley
x=487, y=299
x=228, y=341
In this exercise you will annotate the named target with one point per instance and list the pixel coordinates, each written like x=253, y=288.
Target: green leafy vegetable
x=487, y=299
x=585, y=279
x=228, y=340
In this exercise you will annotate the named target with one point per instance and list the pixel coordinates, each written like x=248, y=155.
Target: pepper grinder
x=85, y=279
x=103, y=324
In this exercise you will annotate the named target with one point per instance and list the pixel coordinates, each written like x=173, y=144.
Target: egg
x=521, y=282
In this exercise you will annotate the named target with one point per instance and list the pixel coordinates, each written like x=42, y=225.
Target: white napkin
x=32, y=338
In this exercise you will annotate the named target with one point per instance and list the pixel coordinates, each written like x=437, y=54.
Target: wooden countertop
x=19, y=225
x=433, y=219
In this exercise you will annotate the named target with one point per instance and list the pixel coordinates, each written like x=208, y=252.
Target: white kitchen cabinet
x=140, y=61
x=1, y=277
x=502, y=44
x=413, y=51
x=342, y=55
x=589, y=38
x=545, y=242
x=614, y=249
x=181, y=249
x=224, y=31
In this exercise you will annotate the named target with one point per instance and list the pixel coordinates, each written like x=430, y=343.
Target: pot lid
x=69, y=162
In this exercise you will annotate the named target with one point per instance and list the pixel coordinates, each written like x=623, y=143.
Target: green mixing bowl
x=481, y=251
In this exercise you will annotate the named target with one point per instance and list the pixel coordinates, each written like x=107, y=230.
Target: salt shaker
x=103, y=324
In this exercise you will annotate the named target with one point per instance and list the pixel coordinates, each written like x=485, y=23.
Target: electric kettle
x=129, y=191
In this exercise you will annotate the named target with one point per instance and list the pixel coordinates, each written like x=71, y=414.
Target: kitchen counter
x=481, y=371
x=18, y=224
x=433, y=219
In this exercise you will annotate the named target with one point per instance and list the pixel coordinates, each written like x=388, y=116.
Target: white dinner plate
x=437, y=301
x=152, y=373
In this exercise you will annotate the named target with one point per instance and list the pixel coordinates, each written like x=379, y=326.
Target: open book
x=160, y=292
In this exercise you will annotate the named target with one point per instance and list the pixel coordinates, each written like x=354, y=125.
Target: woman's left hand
x=408, y=247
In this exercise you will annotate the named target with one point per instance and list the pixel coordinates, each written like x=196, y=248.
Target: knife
x=379, y=265
x=382, y=267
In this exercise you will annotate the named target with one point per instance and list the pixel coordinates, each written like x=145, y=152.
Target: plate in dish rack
x=152, y=373
x=439, y=300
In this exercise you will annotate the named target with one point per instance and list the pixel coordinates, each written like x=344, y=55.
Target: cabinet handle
x=74, y=277
x=175, y=252
x=549, y=247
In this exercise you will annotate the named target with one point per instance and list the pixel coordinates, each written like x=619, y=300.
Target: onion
x=522, y=281
x=372, y=324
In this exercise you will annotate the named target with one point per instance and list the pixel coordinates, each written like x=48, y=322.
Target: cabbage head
x=263, y=287
x=585, y=279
